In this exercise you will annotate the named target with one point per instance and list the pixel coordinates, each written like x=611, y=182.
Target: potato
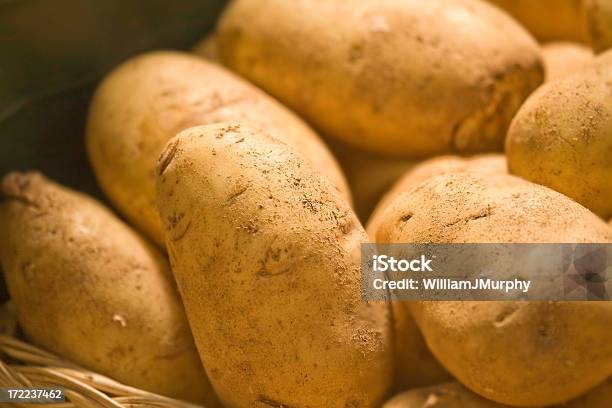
x=397, y=77
x=207, y=48
x=549, y=20
x=599, y=23
x=87, y=287
x=148, y=99
x=516, y=353
x=484, y=163
x=564, y=58
x=448, y=395
x=266, y=254
x=562, y=137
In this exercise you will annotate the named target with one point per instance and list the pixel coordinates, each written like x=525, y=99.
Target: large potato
x=148, y=99
x=484, y=163
x=564, y=58
x=266, y=255
x=87, y=287
x=527, y=353
x=599, y=23
x=398, y=77
x=549, y=20
x=562, y=137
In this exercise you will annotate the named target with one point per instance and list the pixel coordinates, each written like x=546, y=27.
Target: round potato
x=266, y=254
x=564, y=58
x=148, y=99
x=484, y=163
x=599, y=23
x=516, y=353
x=448, y=395
x=549, y=20
x=397, y=77
x=562, y=137
x=87, y=287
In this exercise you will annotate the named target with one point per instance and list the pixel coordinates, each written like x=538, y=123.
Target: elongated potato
x=549, y=20
x=148, y=99
x=266, y=255
x=87, y=287
x=562, y=137
x=565, y=58
x=398, y=77
x=484, y=163
x=599, y=23
x=517, y=353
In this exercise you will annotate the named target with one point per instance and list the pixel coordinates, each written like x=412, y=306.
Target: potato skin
x=448, y=395
x=599, y=23
x=148, y=99
x=207, y=48
x=565, y=58
x=517, y=353
x=549, y=20
x=483, y=163
x=248, y=218
x=402, y=77
x=83, y=284
x=562, y=137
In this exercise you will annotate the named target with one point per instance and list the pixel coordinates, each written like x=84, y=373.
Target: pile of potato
x=241, y=287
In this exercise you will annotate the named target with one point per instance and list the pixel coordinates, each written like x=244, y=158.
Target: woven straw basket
x=23, y=366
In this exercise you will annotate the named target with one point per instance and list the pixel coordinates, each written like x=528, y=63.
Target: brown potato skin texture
x=517, y=353
x=148, y=99
x=402, y=77
x=565, y=58
x=483, y=163
x=87, y=287
x=207, y=48
x=562, y=137
x=549, y=20
x=266, y=255
x=599, y=23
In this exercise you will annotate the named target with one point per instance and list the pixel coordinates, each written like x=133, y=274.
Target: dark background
x=53, y=53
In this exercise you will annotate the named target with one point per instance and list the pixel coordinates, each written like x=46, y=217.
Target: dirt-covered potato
x=562, y=137
x=397, y=77
x=266, y=254
x=599, y=23
x=87, y=287
x=448, y=395
x=148, y=99
x=549, y=20
x=484, y=163
x=517, y=353
x=564, y=58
